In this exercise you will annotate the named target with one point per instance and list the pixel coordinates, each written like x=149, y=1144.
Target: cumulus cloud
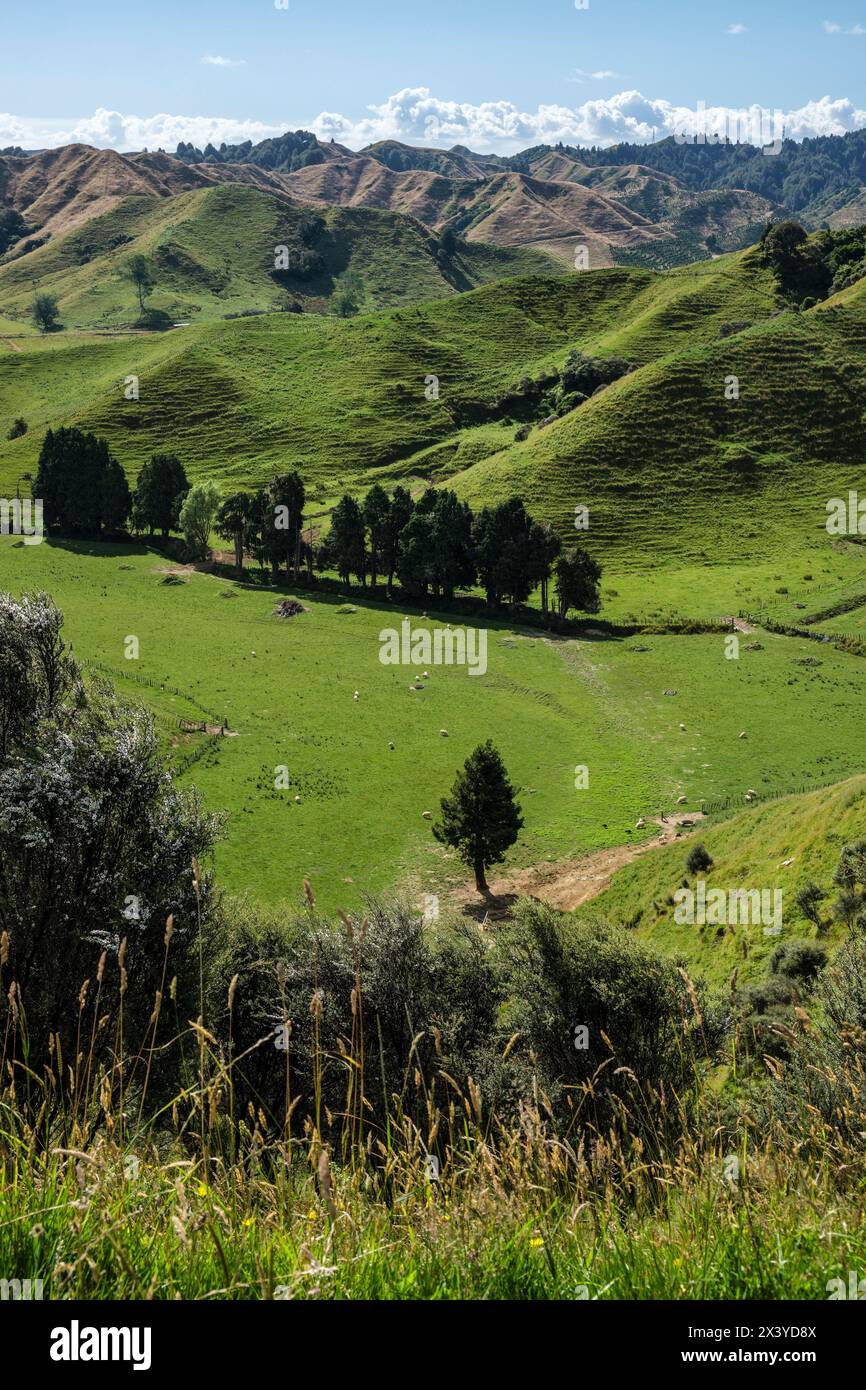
x=214, y=60
x=111, y=130
x=736, y=29
x=856, y=31
x=417, y=117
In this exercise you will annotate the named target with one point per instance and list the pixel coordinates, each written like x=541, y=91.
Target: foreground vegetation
x=202, y=1101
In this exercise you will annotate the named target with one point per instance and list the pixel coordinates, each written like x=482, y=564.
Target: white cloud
x=830, y=28
x=857, y=31
x=111, y=130
x=415, y=116
x=214, y=60
x=736, y=29
x=602, y=75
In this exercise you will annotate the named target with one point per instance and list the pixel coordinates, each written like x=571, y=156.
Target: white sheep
x=682, y=728
x=744, y=734
x=681, y=800
x=298, y=800
x=640, y=825
x=428, y=815
x=444, y=733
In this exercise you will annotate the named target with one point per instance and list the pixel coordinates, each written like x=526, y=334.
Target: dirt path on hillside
x=13, y=346
x=570, y=882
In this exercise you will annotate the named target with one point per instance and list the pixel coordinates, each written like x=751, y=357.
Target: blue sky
x=490, y=68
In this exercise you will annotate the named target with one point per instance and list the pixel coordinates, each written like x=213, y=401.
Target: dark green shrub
x=699, y=860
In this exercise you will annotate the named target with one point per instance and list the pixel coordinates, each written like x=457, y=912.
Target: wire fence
x=157, y=685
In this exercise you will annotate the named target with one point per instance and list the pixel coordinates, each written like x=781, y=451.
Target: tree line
x=433, y=545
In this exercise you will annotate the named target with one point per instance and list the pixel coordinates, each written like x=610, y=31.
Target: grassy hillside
x=669, y=467
x=212, y=252
x=287, y=688
x=344, y=397
x=750, y=850
x=664, y=459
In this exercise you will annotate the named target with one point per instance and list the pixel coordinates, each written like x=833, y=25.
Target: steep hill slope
x=213, y=253
x=346, y=397
x=664, y=458
x=782, y=844
x=506, y=209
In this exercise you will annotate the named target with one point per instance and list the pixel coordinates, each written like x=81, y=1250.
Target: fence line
x=155, y=685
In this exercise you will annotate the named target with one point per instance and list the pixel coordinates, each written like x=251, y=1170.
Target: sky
x=496, y=75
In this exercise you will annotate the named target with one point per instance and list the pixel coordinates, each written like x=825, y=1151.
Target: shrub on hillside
x=801, y=961
x=95, y=848
x=699, y=860
x=645, y=1022
x=438, y=1008
x=824, y=1080
x=415, y=999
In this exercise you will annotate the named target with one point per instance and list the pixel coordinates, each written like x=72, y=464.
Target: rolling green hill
x=343, y=397
x=212, y=254
x=670, y=469
x=664, y=460
x=781, y=844
x=210, y=647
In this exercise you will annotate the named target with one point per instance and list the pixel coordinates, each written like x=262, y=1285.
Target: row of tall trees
x=436, y=545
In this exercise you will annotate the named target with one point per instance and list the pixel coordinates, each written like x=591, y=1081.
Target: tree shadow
x=489, y=908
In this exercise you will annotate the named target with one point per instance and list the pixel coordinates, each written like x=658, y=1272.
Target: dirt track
x=570, y=882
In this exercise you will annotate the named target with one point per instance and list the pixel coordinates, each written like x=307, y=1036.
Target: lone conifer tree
x=481, y=818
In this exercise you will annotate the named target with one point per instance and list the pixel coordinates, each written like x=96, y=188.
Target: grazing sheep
x=682, y=728
x=444, y=733
x=681, y=800
x=752, y=791
x=641, y=824
x=428, y=815
x=298, y=800
x=356, y=696
x=744, y=734
x=786, y=863
x=749, y=796
x=425, y=676
x=391, y=746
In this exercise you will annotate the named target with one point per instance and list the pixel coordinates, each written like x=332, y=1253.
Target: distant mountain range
x=653, y=205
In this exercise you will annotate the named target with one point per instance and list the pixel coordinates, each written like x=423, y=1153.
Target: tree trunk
x=480, y=880
x=239, y=552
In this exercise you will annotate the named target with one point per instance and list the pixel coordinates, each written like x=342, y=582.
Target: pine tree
x=481, y=818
